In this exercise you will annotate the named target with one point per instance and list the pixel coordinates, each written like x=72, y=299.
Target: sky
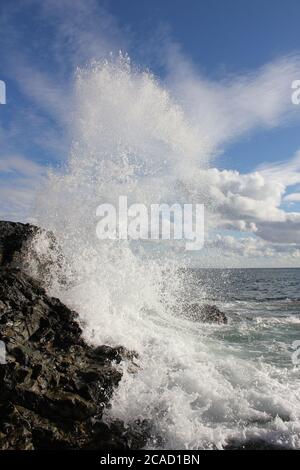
x=229, y=63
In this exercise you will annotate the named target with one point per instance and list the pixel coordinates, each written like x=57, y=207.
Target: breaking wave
x=197, y=390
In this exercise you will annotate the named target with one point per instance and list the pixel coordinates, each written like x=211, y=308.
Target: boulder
x=204, y=313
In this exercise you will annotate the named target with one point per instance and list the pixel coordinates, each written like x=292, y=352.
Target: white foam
x=131, y=139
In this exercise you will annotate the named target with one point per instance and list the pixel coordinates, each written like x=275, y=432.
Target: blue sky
x=231, y=35
x=205, y=50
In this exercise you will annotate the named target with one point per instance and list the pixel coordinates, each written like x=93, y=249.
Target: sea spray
x=130, y=138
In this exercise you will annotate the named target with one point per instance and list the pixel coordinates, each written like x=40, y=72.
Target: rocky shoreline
x=53, y=386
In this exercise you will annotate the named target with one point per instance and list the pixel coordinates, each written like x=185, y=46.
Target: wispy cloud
x=293, y=197
x=69, y=33
x=287, y=172
x=40, y=65
x=223, y=110
x=20, y=178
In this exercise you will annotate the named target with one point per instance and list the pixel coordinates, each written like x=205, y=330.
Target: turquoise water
x=263, y=307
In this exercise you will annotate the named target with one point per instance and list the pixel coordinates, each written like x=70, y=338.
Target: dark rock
x=53, y=386
x=13, y=239
x=115, y=354
x=205, y=313
x=19, y=248
x=111, y=436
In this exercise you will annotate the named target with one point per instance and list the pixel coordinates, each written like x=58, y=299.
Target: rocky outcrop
x=205, y=313
x=14, y=239
x=54, y=387
x=31, y=249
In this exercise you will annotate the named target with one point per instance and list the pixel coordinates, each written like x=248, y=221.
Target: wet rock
x=205, y=313
x=34, y=250
x=14, y=237
x=54, y=387
x=117, y=433
x=117, y=354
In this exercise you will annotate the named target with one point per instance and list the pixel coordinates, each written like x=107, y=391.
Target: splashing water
x=130, y=138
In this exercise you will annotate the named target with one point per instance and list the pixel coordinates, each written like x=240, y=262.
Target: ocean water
x=226, y=383
x=263, y=307
x=199, y=385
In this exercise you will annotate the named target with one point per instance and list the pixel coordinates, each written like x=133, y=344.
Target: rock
x=117, y=354
x=53, y=385
x=13, y=239
x=31, y=249
x=111, y=436
x=204, y=313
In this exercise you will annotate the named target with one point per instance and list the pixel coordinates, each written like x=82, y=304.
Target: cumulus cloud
x=243, y=251
x=223, y=111
x=252, y=202
x=218, y=112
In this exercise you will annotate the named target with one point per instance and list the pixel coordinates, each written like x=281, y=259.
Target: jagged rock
x=204, y=313
x=13, y=239
x=34, y=250
x=53, y=385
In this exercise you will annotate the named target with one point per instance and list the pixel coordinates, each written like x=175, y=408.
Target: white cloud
x=218, y=112
x=251, y=202
x=244, y=250
x=285, y=172
x=20, y=178
x=42, y=69
x=235, y=105
x=18, y=164
x=293, y=197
